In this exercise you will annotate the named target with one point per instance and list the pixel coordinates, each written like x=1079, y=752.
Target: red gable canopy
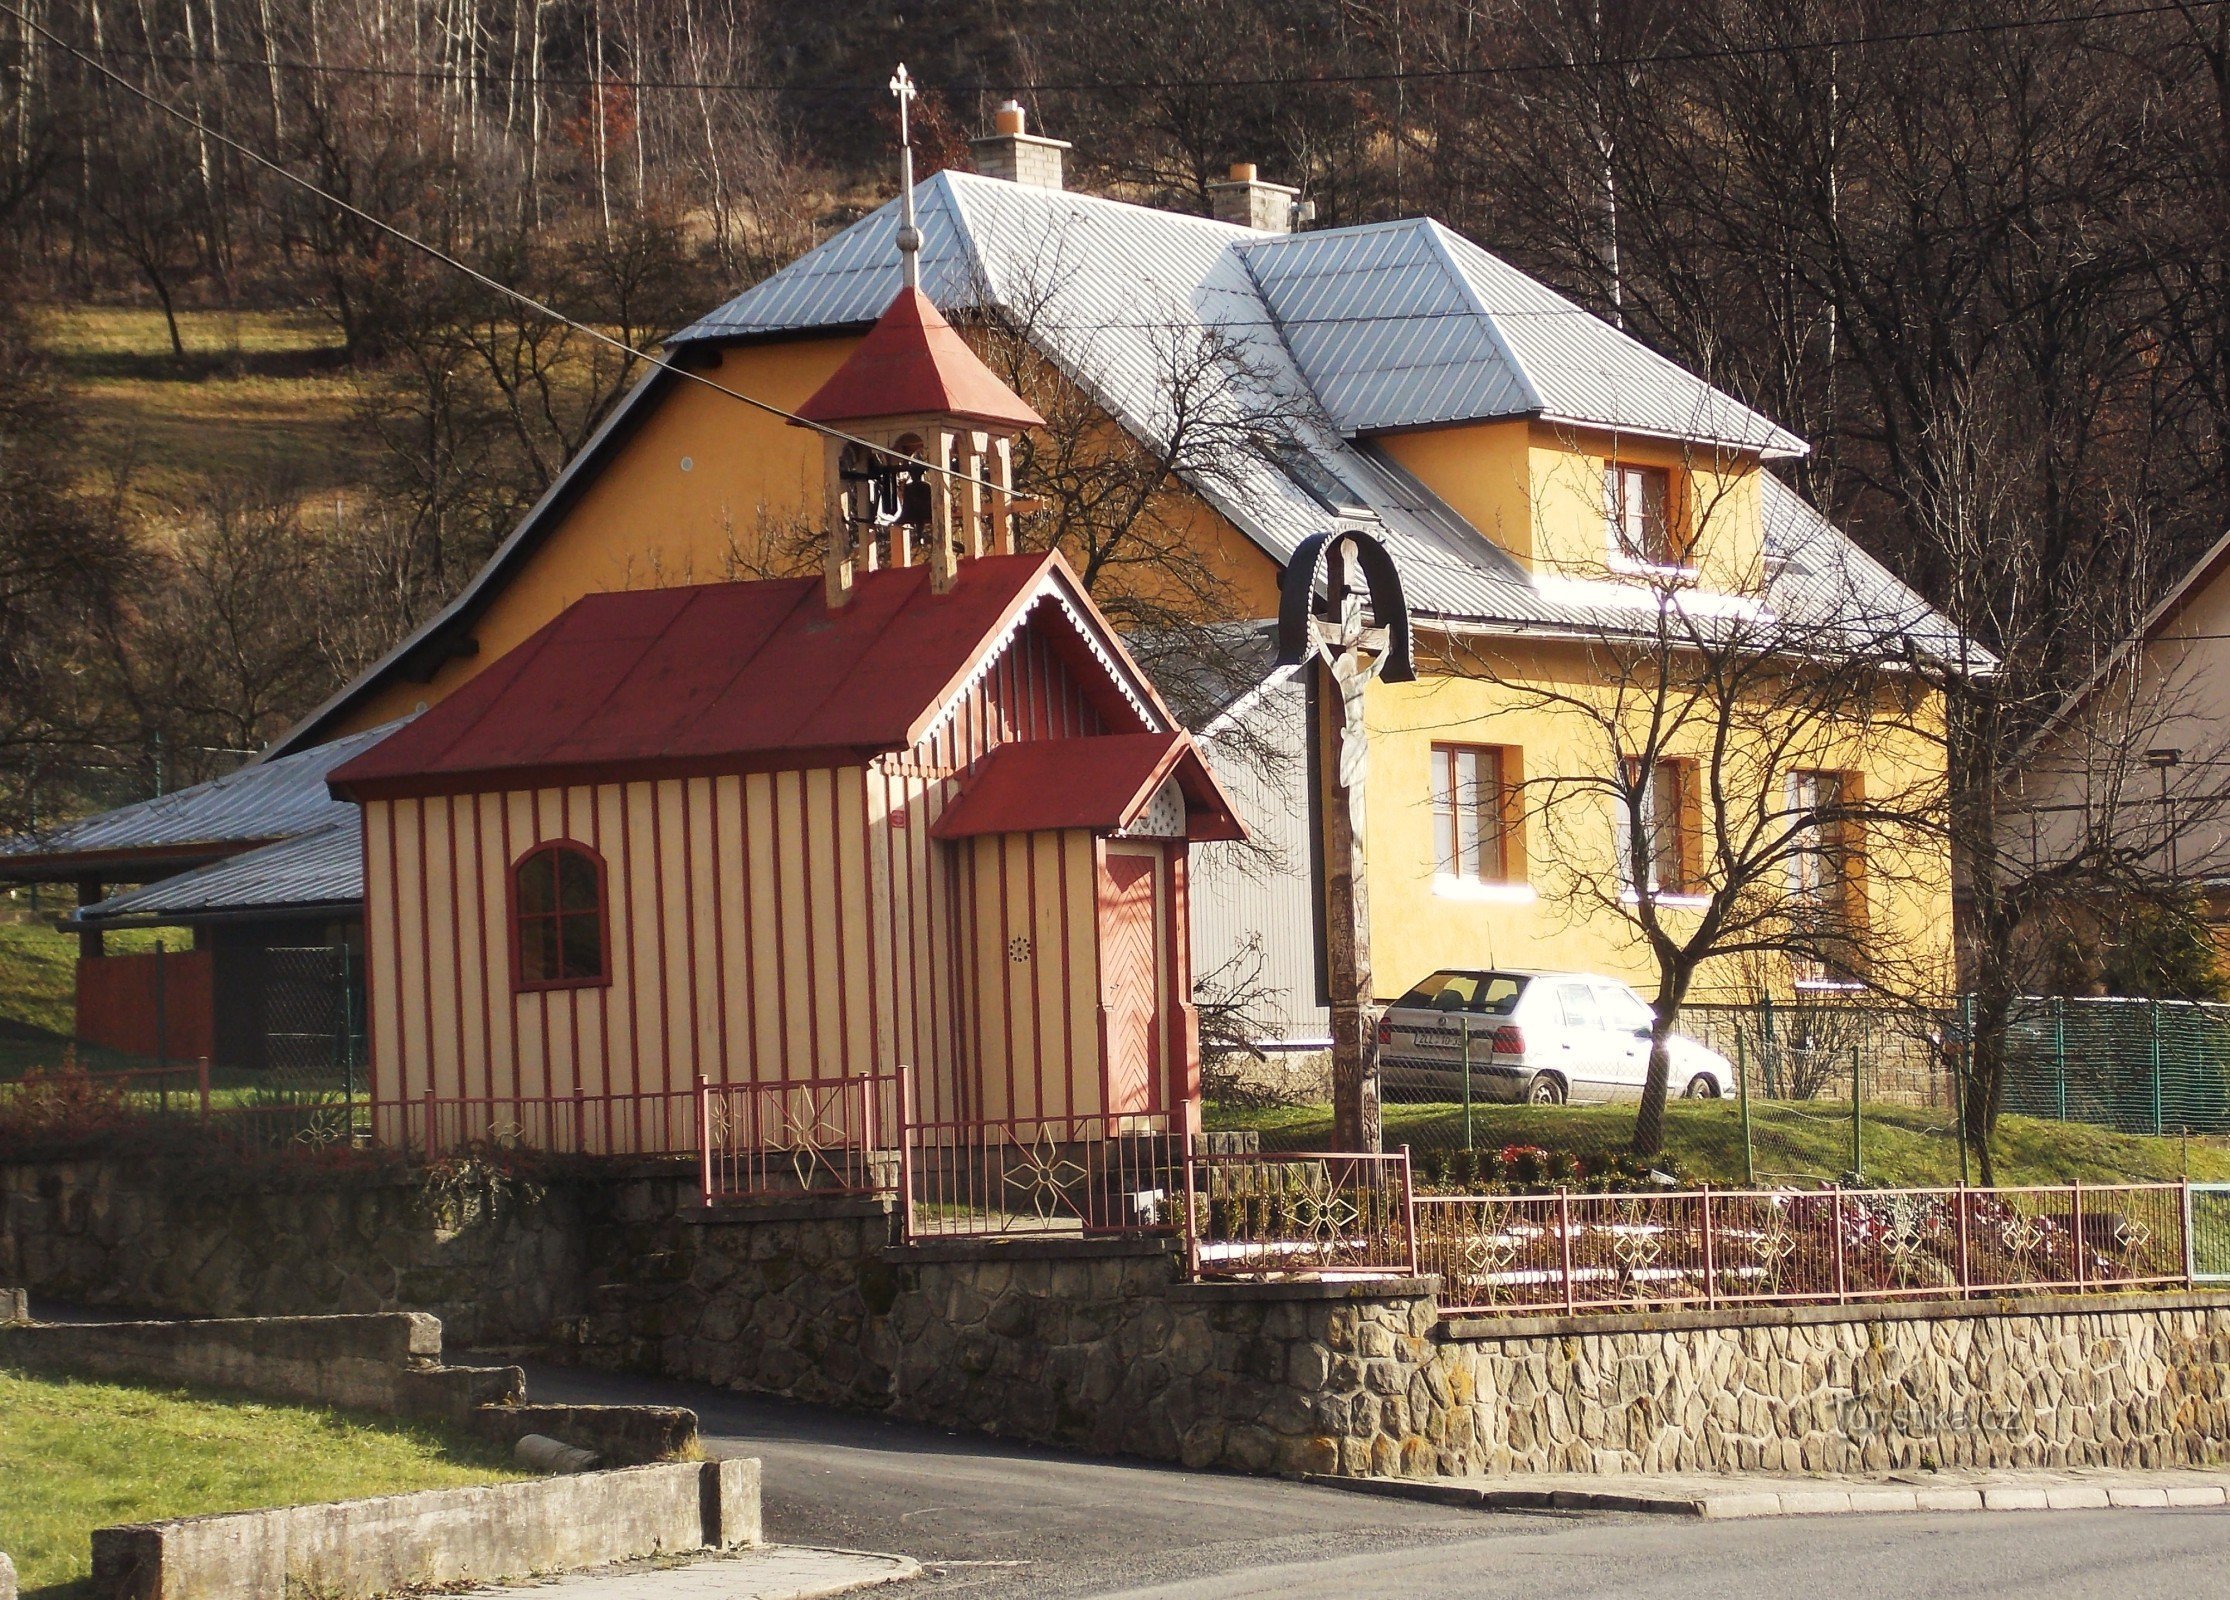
x=912, y=363
x=1101, y=784
x=677, y=679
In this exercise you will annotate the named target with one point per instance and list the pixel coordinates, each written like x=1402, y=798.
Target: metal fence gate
x=313, y=1017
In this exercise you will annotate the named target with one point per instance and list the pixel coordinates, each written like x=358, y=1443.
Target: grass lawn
x=1900, y=1144
x=78, y=1456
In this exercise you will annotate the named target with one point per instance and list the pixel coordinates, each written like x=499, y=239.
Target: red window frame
x=554, y=850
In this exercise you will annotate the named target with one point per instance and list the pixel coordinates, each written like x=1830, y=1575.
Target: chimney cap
x=1011, y=118
x=1243, y=172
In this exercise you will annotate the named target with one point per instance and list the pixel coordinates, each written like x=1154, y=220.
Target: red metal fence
x=825, y=1136
x=1575, y=1252
x=1253, y=1215
x=1099, y=1175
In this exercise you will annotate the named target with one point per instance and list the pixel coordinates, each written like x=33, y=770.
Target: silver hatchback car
x=1543, y=1037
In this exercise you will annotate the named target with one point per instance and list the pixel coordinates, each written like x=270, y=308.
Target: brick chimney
x=1011, y=152
x=1246, y=200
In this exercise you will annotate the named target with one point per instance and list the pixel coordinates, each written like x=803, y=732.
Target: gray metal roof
x=1332, y=335
x=322, y=868
x=272, y=799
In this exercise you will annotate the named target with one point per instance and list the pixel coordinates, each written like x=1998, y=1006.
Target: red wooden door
x=1130, y=967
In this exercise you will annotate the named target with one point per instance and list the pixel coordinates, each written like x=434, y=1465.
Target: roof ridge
x=1437, y=235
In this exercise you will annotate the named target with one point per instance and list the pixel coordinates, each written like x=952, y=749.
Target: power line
x=1330, y=80
x=435, y=253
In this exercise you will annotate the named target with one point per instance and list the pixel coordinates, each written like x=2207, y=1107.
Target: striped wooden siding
x=792, y=924
x=1029, y=983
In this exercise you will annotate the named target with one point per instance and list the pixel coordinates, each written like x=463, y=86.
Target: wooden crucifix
x=1346, y=636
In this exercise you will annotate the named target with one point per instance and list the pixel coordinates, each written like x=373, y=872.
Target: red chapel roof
x=910, y=363
x=758, y=674
x=1101, y=784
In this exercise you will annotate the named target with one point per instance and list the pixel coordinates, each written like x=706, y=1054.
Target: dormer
x=918, y=462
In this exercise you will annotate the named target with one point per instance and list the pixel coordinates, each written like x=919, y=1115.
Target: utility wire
x=434, y=252
x=1330, y=80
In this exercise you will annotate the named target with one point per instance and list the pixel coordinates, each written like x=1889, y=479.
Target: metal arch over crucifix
x=1348, y=636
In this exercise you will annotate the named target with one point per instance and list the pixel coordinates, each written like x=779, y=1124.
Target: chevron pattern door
x=1131, y=967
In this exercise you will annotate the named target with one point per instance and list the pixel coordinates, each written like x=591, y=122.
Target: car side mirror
x=1641, y=1033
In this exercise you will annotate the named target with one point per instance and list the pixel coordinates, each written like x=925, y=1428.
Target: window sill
x=545, y=985
x=1448, y=886
x=1633, y=567
x=1671, y=902
x=1829, y=986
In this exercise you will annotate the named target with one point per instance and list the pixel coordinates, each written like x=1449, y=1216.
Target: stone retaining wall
x=497, y=1261
x=1101, y=1346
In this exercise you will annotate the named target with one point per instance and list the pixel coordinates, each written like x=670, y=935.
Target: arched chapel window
x=557, y=914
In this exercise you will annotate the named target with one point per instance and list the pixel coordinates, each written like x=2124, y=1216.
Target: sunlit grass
x=75, y=1456
x=1802, y=1141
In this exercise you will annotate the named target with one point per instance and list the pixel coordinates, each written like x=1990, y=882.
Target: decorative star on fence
x=1045, y=1177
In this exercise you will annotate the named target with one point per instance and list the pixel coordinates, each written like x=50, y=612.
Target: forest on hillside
x=1975, y=252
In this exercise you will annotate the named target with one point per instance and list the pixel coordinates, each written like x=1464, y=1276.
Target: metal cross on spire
x=909, y=236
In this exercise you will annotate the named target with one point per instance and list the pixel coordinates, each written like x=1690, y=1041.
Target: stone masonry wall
x=498, y=1263
x=1102, y=1346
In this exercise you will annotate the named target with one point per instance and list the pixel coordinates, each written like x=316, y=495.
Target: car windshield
x=1492, y=994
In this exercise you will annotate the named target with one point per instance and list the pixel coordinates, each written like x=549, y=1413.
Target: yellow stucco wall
x=1536, y=489
x=1421, y=921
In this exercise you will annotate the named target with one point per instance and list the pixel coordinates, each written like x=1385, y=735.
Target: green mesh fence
x=2137, y=1066
x=2208, y=1232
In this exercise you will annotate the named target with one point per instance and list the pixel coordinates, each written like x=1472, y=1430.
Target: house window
x=1671, y=811
x=557, y=900
x=1478, y=832
x=1637, y=506
x=1827, y=874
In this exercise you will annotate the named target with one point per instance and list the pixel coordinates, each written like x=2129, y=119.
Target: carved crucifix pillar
x=1342, y=671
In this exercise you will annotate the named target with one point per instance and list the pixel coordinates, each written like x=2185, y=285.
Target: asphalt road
x=1000, y=1522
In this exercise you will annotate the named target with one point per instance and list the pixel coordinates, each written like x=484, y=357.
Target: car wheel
x=1701, y=1087
x=1546, y=1089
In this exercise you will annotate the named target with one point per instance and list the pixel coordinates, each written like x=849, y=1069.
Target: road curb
x=1740, y=1501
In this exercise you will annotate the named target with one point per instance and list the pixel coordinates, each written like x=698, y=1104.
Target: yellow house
x=1545, y=484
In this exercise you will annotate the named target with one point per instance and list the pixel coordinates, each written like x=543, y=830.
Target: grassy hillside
x=1811, y=1142
x=262, y=397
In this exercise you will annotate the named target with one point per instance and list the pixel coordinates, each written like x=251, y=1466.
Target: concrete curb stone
x=1768, y=1498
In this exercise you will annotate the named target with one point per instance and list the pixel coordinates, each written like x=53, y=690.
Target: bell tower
x=918, y=452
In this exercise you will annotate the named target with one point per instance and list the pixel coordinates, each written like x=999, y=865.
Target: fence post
x=580, y=1120
x=704, y=1139
x=1192, y=1218
x=161, y=1014
x=1765, y=1046
x=2191, y=1263
x=2059, y=1054
x=1858, y=1159
x=1564, y=1240
x=1842, y=1290
x=1742, y=1094
x=1966, y=1273
x=430, y=1113
x=1959, y=1080
x=1463, y=1023
x=2158, y=1129
x=2075, y=1219
x=1409, y=1207
x=906, y=1151
x=1710, y=1275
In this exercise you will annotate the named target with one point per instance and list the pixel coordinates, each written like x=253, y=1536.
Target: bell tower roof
x=912, y=364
